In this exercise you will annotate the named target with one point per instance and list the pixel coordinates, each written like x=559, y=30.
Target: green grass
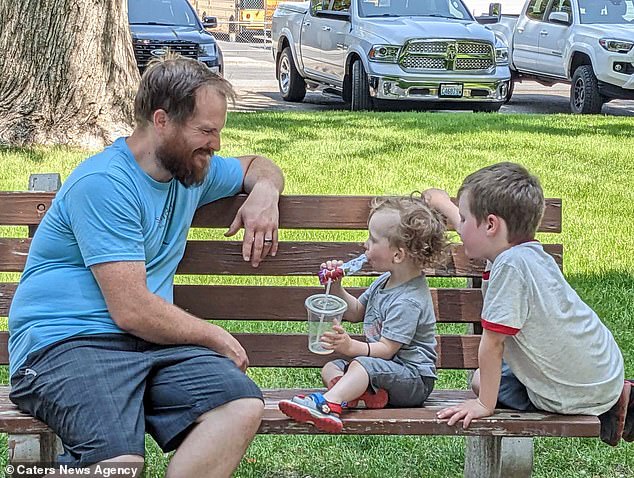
x=587, y=161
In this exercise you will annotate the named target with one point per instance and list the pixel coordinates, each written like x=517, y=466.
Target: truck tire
x=360, y=98
x=584, y=92
x=291, y=84
x=511, y=88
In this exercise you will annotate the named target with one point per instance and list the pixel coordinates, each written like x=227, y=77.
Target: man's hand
x=232, y=349
x=260, y=217
x=469, y=410
x=337, y=340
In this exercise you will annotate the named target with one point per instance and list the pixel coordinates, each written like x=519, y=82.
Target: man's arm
x=264, y=182
x=490, y=361
x=139, y=312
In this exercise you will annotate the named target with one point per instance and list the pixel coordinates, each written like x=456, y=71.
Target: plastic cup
x=323, y=311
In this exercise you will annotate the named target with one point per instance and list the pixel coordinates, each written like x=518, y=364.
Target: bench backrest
x=304, y=223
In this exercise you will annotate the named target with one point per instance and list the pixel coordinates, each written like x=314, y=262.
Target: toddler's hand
x=330, y=270
x=337, y=340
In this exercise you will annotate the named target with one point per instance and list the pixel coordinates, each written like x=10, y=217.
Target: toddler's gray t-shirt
x=404, y=314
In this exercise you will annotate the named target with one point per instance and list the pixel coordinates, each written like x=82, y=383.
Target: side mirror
x=495, y=12
x=487, y=19
x=210, y=22
x=559, y=17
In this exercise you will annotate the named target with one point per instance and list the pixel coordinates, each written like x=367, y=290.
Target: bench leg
x=38, y=449
x=498, y=457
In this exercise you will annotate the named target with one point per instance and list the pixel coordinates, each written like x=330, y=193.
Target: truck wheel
x=584, y=92
x=511, y=88
x=292, y=85
x=360, y=100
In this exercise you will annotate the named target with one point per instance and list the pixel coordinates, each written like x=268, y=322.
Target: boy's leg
x=613, y=421
x=333, y=370
x=628, y=429
x=351, y=386
x=513, y=393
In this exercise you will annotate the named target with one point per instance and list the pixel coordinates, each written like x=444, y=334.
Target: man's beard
x=171, y=156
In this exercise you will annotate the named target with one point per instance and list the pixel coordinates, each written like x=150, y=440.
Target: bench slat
x=291, y=350
x=295, y=258
x=423, y=421
x=296, y=212
x=407, y=421
x=282, y=303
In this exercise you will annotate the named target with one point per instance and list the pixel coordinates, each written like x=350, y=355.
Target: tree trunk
x=67, y=72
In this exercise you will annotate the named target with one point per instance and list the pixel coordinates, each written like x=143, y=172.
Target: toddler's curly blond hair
x=421, y=231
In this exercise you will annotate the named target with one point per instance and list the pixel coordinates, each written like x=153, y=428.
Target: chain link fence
x=244, y=32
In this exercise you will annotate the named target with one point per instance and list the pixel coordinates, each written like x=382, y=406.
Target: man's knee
x=244, y=410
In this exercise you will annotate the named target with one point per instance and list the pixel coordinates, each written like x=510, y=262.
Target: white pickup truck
x=389, y=50
x=587, y=43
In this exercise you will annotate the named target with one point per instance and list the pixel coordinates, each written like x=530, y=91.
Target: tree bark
x=67, y=72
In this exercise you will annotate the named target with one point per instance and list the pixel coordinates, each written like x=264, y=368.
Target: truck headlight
x=501, y=56
x=384, y=53
x=618, y=46
x=207, y=49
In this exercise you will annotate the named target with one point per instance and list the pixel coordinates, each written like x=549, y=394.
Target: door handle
x=520, y=30
x=326, y=28
x=306, y=24
x=543, y=33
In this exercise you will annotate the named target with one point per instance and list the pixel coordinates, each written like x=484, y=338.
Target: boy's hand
x=436, y=198
x=469, y=410
x=330, y=270
x=337, y=340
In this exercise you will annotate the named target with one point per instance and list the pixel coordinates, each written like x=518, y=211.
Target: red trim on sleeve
x=485, y=275
x=499, y=328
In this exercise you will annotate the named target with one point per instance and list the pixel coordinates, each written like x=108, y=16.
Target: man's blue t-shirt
x=108, y=210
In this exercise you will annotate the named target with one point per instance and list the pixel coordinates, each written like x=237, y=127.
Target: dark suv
x=161, y=25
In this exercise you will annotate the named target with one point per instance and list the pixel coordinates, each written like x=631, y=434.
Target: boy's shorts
x=405, y=388
x=101, y=393
x=513, y=393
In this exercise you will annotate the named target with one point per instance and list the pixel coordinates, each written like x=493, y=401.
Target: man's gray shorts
x=101, y=393
x=405, y=388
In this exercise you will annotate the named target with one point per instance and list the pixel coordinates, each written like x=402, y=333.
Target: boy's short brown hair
x=509, y=191
x=170, y=83
x=421, y=231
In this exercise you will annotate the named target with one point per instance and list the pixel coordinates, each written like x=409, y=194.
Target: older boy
x=558, y=356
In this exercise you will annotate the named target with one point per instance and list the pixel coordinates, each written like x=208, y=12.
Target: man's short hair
x=509, y=191
x=421, y=230
x=170, y=83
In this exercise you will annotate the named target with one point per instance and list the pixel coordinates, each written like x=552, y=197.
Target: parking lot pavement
x=251, y=70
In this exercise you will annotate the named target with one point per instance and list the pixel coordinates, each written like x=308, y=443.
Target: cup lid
x=326, y=304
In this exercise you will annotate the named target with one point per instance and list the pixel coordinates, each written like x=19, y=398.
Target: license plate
x=450, y=91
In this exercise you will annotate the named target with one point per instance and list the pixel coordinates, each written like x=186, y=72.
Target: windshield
x=409, y=8
x=606, y=11
x=161, y=12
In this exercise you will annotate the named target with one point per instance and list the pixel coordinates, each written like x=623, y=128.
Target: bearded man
x=97, y=349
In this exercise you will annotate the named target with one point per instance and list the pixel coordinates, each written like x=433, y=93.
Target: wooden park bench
x=497, y=446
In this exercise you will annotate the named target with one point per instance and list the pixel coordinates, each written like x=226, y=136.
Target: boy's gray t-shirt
x=404, y=314
x=557, y=345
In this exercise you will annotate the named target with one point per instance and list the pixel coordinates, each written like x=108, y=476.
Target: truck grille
x=143, y=50
x=443, y=55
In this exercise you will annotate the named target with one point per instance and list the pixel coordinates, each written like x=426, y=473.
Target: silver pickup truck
x=373, y=50
x=587, y=43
